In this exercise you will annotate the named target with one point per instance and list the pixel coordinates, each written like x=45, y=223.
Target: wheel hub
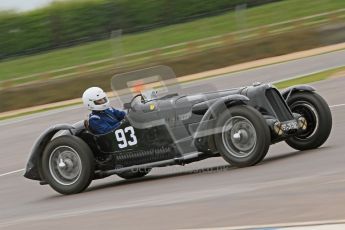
x=309, y=121
x=69, y=164
x=62, y=164
x=239, y=136
x=65, y=165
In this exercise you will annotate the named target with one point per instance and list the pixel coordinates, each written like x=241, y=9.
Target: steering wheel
x=138, y=95
x=129, y=105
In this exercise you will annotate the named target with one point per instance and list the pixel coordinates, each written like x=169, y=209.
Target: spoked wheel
x=318, y=120
x=244, y=138
x=68, y=164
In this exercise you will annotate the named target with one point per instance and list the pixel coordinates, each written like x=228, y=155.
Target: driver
x=103, y=118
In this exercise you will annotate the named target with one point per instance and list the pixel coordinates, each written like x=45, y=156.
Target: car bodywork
x=174, y=129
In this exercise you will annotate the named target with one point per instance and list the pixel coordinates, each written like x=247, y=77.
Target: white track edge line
x=278, y=225
x=12, y=172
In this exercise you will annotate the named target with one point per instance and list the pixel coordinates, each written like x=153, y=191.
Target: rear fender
x=286, y=93
x=32, y=170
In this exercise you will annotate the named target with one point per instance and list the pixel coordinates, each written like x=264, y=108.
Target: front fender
x=32, y=170
x=209, y=106
x=206, y=125
x=286, y=93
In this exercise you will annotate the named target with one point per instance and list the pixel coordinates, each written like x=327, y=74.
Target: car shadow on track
x=124, y=182
x=293, y=153
x=208, y=170
x=195, y=171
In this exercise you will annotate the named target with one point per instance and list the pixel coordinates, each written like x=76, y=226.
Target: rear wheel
x=244, y=138
x=135, y=173
x=68, y=164
x=318, y=116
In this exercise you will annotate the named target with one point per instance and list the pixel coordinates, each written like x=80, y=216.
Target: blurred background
x=52, y=50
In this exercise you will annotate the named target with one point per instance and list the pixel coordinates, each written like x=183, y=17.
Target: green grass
x=258, y=16
x=309, y=78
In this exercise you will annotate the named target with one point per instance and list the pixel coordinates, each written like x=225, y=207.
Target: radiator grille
x=278, y=104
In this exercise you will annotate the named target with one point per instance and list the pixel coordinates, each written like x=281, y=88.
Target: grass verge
x=309, y=78
x=37, y=111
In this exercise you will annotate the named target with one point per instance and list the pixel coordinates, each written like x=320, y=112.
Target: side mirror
x=127, y=105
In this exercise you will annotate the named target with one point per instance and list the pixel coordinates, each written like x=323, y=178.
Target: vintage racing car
x=237, y=124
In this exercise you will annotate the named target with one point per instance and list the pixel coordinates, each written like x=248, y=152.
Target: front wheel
x=68, y=164
x=244, y=136
x=318, y=116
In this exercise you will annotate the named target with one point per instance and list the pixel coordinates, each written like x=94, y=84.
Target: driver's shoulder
x=110, y=110
x=94, y=117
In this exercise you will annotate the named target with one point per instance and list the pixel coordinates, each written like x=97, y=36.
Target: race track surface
x=288, y=186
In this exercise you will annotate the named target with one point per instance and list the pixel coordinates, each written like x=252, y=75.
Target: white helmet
x=94, y=94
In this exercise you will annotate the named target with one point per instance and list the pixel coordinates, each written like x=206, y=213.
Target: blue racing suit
x=101, y=122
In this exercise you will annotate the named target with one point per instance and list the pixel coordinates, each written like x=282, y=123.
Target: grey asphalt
x=288, y=186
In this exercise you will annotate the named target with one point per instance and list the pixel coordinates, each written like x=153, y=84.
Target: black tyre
x=244, y=138
x=319, y=120
x=135, y=173
x=68, y=164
